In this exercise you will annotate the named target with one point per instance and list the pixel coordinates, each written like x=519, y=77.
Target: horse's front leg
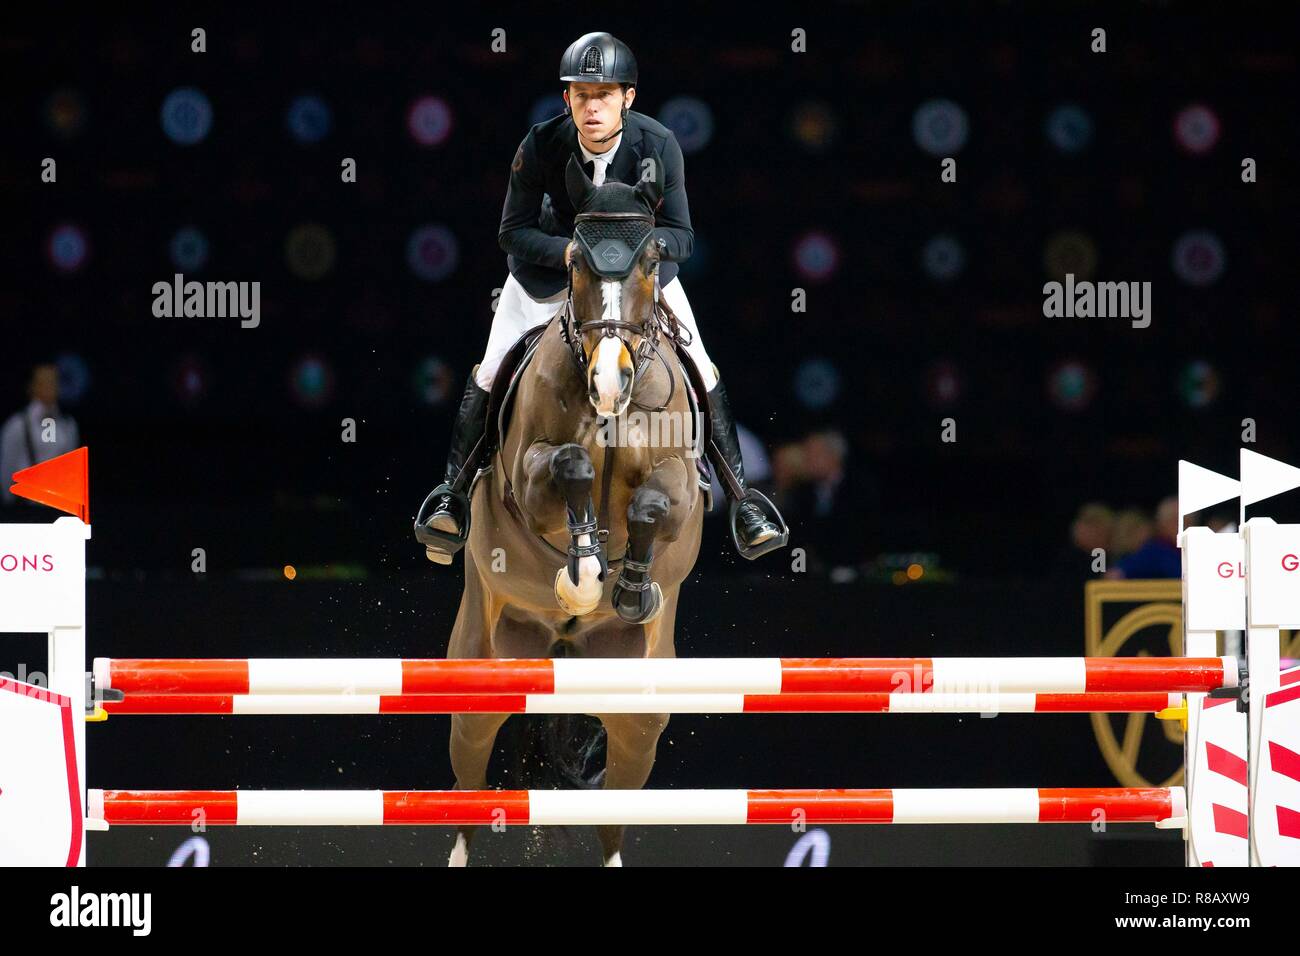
x=654, y=513
x=559, y=482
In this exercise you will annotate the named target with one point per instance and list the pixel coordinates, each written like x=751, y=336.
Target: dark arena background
x=947, y=455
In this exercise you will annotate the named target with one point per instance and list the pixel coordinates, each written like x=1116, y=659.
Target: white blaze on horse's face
x=609, y=373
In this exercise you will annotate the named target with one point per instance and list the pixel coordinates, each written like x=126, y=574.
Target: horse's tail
x=561, y=750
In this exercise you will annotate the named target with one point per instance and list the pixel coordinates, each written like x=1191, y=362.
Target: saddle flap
x=504, y=385
x=698, y=397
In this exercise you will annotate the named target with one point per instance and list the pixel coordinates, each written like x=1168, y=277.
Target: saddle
x=501, y=400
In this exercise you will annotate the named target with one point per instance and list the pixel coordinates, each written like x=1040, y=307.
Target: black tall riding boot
x=444, y=529
x=756, y=525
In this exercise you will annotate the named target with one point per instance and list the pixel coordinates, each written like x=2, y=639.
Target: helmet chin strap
x=622, y=122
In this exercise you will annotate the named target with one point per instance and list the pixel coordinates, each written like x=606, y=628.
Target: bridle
x=613, y=243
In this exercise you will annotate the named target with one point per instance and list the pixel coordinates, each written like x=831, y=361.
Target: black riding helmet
x=598, y=58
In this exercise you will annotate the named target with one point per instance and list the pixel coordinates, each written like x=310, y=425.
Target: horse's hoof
x=459, y=853
x=438, y=557
x=562, y=583
x=658, y=604
x=644, y=615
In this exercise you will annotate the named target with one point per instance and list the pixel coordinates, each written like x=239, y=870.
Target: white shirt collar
x=607, y=156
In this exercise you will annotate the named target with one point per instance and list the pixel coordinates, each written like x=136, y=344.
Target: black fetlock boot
x=756, y=525
x=443, y=529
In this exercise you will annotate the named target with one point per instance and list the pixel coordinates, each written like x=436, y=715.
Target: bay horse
x=541, y=576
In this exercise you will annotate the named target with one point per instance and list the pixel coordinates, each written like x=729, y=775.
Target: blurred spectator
x=1221, y=522
x=823, y=508
x=1133, y=529
x=36, y=433
x=1159, y=556
x=1092, y=528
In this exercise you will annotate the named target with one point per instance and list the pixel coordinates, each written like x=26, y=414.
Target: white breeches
x=517, y=312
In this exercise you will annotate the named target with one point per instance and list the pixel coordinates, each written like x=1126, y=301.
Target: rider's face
x=596, y=108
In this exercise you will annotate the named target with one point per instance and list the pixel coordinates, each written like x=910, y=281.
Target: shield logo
x=1140, y=750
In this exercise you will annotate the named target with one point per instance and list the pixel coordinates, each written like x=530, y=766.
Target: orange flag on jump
x=62, y=483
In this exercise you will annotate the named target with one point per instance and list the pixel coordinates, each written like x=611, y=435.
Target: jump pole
x=773, y=675
x=1165, y=807
x=369, y=704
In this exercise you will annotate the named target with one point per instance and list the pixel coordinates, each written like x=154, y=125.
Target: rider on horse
x=600, y=75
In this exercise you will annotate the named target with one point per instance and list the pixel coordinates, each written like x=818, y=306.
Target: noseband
x=613, y=243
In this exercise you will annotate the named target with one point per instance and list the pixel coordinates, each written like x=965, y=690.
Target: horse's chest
x=624, y=442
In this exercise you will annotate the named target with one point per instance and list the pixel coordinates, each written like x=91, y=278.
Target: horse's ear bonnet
x=612, y=238
x=613, y=246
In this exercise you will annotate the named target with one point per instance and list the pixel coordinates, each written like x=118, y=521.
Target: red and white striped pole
x=395, y=677
x=363, y=704
x=1159, y=805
